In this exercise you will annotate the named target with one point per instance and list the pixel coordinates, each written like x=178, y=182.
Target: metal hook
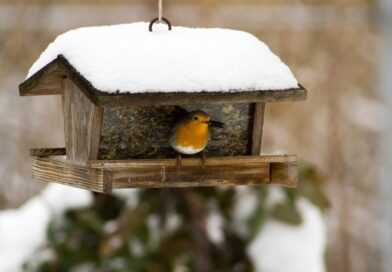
x=157, y=20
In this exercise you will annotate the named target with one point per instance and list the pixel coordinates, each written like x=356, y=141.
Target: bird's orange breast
x=194, y=135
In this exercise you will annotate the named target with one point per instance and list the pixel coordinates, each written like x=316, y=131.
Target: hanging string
x=160, y=10
x=160, y=18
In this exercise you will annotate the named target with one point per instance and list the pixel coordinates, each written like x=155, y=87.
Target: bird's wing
x=179, y=113
x=177, y=116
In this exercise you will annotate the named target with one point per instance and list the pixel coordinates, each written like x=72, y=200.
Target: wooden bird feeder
x=119, y=139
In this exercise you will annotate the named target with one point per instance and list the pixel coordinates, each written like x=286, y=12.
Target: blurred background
x=334, y=221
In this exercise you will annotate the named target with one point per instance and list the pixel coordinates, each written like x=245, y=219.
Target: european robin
x=190, y=134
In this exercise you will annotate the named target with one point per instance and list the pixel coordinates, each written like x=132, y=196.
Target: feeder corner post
x=82, y=124
x=258, y=110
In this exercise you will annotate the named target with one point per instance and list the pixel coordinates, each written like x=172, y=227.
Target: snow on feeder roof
x=128, y=59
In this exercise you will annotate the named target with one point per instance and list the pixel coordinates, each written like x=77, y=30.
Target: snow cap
x=128, y=58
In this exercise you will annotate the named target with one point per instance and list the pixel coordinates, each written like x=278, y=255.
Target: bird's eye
x=195, y=118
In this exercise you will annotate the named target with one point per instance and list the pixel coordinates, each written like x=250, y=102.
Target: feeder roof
x=128, y=59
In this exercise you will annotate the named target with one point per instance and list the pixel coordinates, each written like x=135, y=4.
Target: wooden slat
x=82, y=124
x=60, y=67
x=44, y=82
x=110, y=164
x=257, y=128
x=191, y=176
x=177, y=98
x=46, y=152
x=222, y=171
x=102, y=176
x=65, y=172
x=95, y=132
x=195, y=162
x=285, y=174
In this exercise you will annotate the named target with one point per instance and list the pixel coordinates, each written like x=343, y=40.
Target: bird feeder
x=121, y=86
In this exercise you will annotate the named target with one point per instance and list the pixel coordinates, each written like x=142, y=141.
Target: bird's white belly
x=187, y=149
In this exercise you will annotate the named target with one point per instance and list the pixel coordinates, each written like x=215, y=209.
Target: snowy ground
x=289, y=249
x=23, y=230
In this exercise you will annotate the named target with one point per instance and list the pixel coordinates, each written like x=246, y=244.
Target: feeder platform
x=105, y=175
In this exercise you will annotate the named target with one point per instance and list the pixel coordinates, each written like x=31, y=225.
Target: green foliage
x=259, y=215
x=311, y=186
x=167, y=229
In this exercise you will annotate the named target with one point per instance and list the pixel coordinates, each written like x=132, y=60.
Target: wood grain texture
x=46, y=152
x=102, y=176
x=95, y=137
x=34, y=86
x=82, y=124
x=68, y=173
x=44, y=82
x=175, y=98
x=285, y=174
x=190, y=176
x=257, y=128
x=195, y=162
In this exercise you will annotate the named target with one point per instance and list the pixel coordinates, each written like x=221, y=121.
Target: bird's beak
x=213, y=123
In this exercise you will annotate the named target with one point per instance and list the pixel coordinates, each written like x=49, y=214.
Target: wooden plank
x=46, y=152
x=110, y=164
x=96, y=125
x=191, y=176
x=65, y=172
x=257, y=128
x=183, y=98
x=82, y=124
x=218, y=171
x=103, y=176
x=32, y=87
x=44, y=82
x=194, y=162
x=285, y=174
